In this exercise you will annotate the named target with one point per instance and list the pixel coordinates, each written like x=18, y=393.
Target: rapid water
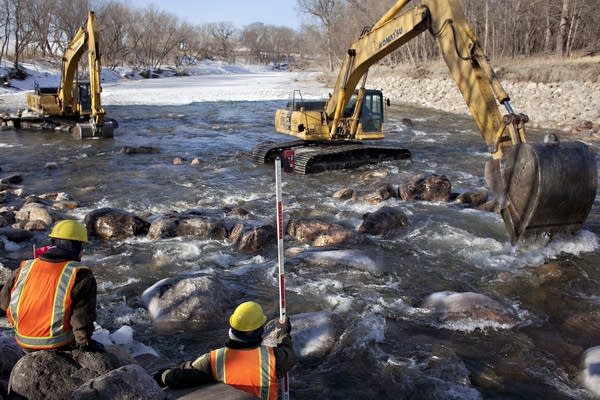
x=387, y=346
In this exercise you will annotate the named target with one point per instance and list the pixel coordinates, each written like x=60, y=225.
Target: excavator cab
x=82, y=98
x=371, y=113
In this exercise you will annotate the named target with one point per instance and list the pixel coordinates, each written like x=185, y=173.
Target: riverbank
x=557, y=95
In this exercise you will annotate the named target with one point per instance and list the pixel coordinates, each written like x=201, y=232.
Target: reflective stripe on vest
x=252, y=370
x=40, y=304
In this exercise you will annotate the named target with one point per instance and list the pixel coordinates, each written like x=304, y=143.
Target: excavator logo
x=391, y=37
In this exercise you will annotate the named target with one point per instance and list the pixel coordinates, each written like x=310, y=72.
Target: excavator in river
x=542, y=188
x=75, y=105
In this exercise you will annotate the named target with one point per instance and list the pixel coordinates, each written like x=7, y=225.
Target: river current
x=387, y=346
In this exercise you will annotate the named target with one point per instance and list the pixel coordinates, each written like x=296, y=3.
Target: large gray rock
x=374, y=193
x=467, y=310
x=113, y=224
x=383, y=221
x=124, y=383
x=35, y=212
x=49, y=375
x=190, y=223
x=591, y=370
x=339, y=259
x=249, y=237
x=186, y=301
x=314, y=334
x=318, y=233
x=10, y=353
x=430, y=187
x=16, y=235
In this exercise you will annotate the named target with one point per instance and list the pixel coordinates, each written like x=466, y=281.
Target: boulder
x=34, y=212
x=490, y=206
x=314, y=334
x=49, y=375
x=186, y=300
x=127, y=382
x=430, y=187
x=591, y=370
x=374, y=193
x=140, y=150
x=383, y=221
x=113, y=224
x=344, y=194
x=252, y=237
x=318, y=233
x=473, y=199
x=373, y=175
x=346, y=258
x=468, y=310
x=10, y=353
x=12, y=179
x=16, y=235
x=190, y=223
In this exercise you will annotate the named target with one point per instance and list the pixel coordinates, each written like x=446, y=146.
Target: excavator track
x=315, y=157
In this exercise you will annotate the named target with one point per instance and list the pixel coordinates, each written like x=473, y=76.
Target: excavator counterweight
x=542, y=188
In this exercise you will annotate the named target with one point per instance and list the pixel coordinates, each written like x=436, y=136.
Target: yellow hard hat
x=247, y=317
x=69, y=229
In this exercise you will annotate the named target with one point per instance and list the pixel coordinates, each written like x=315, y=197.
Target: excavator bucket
x=544, y=189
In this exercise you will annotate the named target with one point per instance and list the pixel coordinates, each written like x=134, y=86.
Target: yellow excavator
x=542, y=188
x=75, y=105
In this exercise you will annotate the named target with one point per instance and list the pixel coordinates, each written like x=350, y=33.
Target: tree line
x=149, y=38
x=505, y=28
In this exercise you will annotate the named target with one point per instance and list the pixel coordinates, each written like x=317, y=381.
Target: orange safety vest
x=250, y=370
x=40, y=304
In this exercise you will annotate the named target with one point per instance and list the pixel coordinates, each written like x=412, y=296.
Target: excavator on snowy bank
x=542, y=188
x=75, y=105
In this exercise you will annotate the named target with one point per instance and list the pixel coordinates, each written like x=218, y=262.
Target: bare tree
x=324, y=11
x=115, y=45
x=223, y=33
x=22, y=31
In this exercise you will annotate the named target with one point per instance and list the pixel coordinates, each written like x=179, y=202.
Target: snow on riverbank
x=569, y=105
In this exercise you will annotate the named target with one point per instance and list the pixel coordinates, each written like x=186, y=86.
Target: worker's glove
x=158, y=377
x=91, y=345
x=283, y=327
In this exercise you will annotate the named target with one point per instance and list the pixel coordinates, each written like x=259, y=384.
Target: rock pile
x=569, y=106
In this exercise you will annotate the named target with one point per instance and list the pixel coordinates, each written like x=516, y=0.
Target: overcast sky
x=239, y=12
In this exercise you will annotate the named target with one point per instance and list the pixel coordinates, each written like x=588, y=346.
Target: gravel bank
x=569, y=105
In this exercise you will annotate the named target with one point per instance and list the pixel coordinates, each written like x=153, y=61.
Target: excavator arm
x=84, y=39
x=542, y=189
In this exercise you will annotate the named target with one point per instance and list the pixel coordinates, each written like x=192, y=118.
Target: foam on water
x=485, y=252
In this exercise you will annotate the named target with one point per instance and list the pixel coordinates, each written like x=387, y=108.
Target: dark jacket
x=199, y=372
x=83, y=295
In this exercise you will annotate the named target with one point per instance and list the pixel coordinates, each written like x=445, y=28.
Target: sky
x=239, y=12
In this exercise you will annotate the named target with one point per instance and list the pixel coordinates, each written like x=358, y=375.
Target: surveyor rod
x=280, y=260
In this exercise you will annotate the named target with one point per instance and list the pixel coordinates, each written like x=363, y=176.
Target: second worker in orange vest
x=244, y=363
x=51, y=300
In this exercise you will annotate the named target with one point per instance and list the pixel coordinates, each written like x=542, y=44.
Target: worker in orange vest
x=244, y=362
x=51, y=300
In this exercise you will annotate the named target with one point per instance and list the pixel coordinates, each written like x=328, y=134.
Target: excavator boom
x=542, y=188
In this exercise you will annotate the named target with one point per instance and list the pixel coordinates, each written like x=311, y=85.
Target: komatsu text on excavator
x=542, y=188
x=75, y=105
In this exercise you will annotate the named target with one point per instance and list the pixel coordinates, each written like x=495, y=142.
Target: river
x=387, y=346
